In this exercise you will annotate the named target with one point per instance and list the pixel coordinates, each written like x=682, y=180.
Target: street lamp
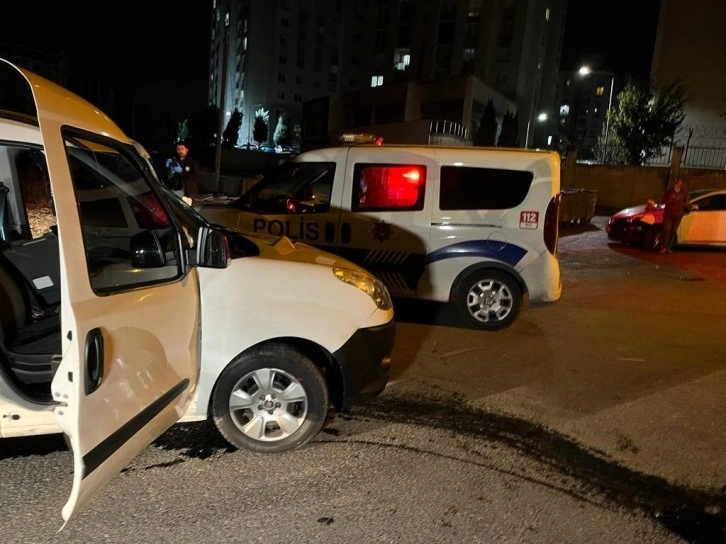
x=585, y=71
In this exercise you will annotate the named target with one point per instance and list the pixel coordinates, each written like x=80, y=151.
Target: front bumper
x=365, y=362
x=630, y=232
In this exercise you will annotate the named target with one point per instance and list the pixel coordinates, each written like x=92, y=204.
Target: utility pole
x=220, y=117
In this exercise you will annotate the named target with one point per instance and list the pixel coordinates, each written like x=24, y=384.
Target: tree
x=231, y=132
x=282, y=134
x=486, y=135
x=645, y=121
x=259, y=131
x=509, y=137
x=182, y=131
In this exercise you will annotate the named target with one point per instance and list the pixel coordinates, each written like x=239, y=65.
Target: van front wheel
x=489, y=299
x=271, y=400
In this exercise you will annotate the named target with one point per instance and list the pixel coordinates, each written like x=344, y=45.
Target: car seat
x=30, y=329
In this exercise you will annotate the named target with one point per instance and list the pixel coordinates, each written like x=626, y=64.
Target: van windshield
x=293, y=187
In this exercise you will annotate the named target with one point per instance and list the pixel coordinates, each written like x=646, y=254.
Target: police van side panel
x=490, y=210
x=386, y=213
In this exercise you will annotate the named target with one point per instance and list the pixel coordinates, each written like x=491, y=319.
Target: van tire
x=489, y=299
x=272, y=386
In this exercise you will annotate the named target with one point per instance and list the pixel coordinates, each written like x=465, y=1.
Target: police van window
x=388, y=187
x=115, y=204
x=293, y=187
x=467, y=188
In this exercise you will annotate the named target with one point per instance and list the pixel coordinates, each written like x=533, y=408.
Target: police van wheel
x=272, y=400
x=489, y=299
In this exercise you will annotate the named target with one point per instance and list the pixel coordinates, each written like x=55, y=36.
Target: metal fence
x=704, y=157
x=448, y=127
x=693, y=156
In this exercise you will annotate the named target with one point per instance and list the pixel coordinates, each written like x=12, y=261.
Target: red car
x=705, y=225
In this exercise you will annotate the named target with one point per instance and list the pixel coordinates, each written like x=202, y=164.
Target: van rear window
x=467, y=188
x=390, y=187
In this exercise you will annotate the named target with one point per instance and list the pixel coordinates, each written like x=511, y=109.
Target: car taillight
x=552, y=224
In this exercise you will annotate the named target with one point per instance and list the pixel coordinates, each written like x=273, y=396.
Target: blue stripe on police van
x=501, y=251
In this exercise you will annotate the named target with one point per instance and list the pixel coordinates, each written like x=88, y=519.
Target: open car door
x=129, y=305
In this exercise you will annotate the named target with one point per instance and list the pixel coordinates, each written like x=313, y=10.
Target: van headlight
x=367, y=283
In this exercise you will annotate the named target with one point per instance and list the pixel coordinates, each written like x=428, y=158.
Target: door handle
x=93, y=361
x=345, y=233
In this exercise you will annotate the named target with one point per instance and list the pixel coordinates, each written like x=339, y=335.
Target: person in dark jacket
x=183, y=172
x=676, y=205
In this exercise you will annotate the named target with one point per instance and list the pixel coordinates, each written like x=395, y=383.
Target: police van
x=123, y=311
x=477, y=227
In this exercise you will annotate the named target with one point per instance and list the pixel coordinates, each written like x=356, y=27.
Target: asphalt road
x=596, y=419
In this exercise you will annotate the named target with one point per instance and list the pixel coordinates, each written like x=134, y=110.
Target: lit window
x=547, y=14
x=389, y=187
x=564, y=110
x=376, y=81
x=599, y=90
x=401, y=59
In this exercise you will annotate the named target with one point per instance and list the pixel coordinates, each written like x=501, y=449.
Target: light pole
x=220, y=116
x=541, y=120
x=585, y=71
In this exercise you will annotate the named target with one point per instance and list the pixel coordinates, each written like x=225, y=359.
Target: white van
x=123, y=311
x=475, y=226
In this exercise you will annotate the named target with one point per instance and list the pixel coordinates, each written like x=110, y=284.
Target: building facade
x=584, y=98
x=691, y=47
x=273, y=54
x=276, y=54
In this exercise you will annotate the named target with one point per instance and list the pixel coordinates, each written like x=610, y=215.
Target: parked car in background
x=703, y=226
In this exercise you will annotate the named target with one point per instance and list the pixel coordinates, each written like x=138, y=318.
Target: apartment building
x=277, y=54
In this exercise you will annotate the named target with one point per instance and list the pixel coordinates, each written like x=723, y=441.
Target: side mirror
x=146, y=250
x=213, y=251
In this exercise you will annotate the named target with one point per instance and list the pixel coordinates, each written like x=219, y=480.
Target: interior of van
x=29, y=273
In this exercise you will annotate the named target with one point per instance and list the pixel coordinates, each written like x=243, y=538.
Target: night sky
x=156, y=47
x=615, y=35
x=160, y=48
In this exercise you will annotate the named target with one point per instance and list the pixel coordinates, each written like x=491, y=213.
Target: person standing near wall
x=676, y=205
x=182, y=173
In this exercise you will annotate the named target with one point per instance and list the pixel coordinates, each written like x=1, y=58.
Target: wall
x=240, y=169
x=621, y=186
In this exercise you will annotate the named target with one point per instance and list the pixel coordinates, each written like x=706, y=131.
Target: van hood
x=283, y=248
